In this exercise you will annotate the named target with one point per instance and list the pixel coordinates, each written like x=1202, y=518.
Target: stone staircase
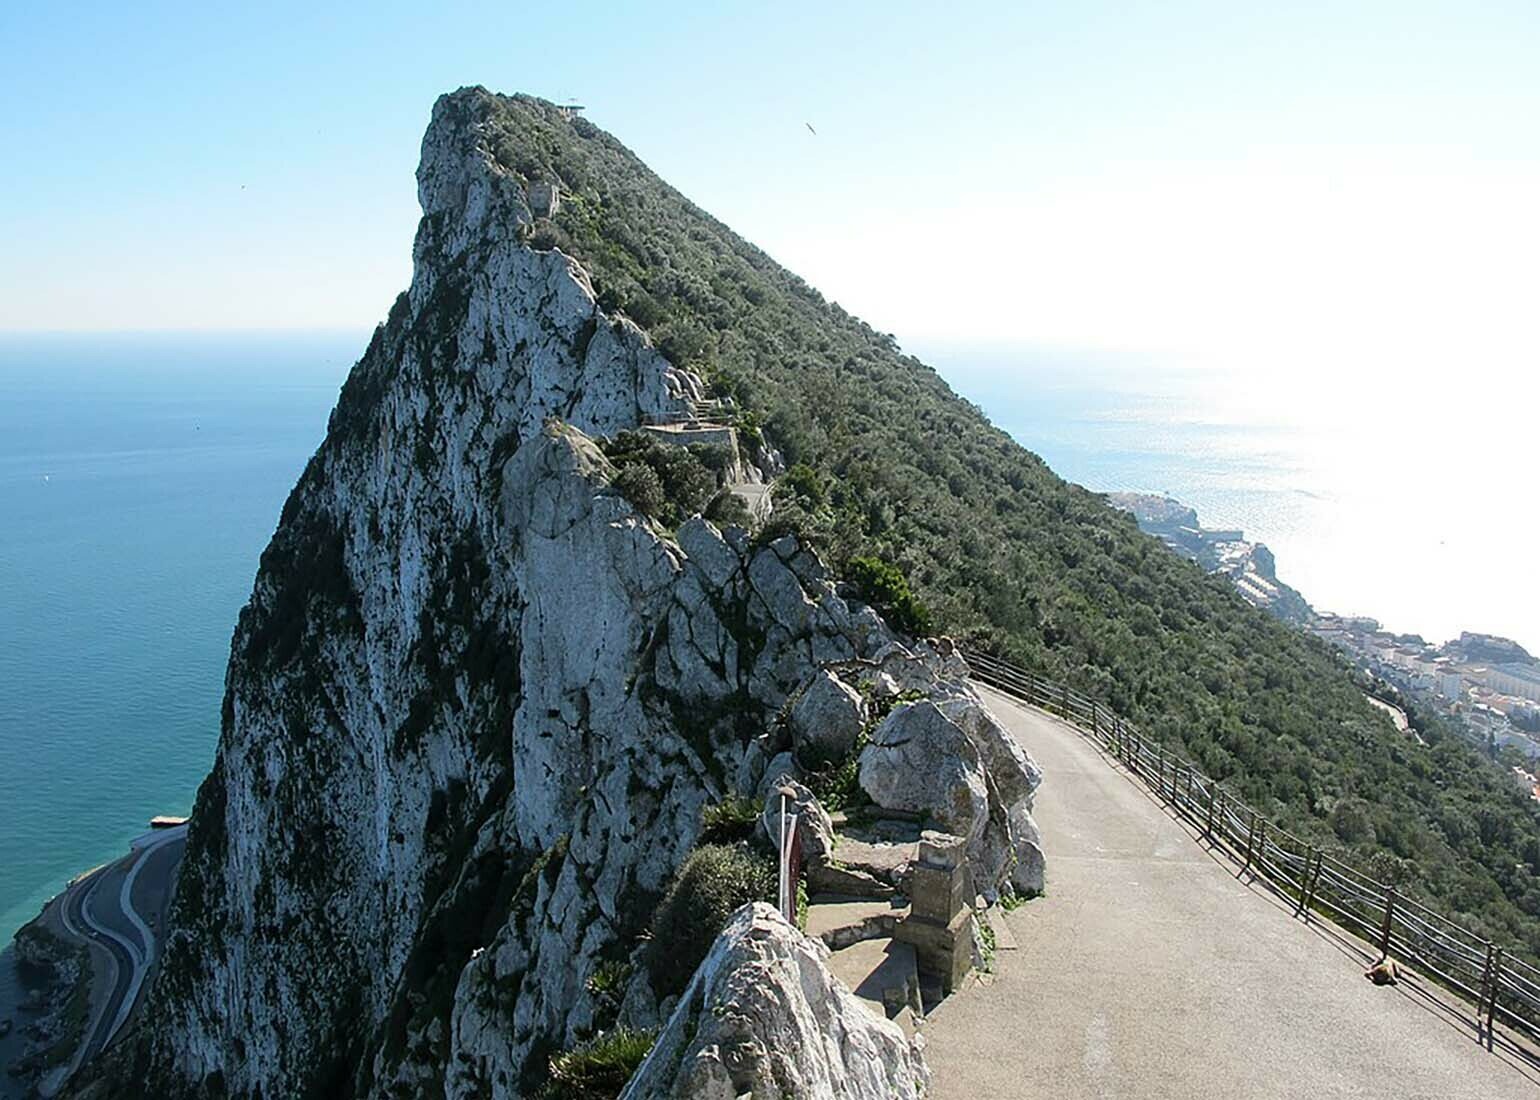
x=898, y=961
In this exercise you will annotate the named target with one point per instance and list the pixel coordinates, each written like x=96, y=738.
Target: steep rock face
x=763, y=1018
x=476, y=702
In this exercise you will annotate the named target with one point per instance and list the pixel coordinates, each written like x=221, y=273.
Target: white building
x=1515, y=679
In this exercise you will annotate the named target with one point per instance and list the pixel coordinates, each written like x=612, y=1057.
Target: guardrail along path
x=1151, y=969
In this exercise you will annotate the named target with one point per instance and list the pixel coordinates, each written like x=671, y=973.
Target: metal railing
x=1499, y=984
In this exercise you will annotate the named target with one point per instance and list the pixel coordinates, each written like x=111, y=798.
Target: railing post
x=1486, y=985
x=1064, y=704
x=1095, y=733
x=1305, y=881
x=1311, y=880
x=1261, y=838
x=1390, y=912
x=1497, y=981
x=1251, y=836
x=1213, y=797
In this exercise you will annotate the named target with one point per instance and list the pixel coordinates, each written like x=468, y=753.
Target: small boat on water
x=163, y=821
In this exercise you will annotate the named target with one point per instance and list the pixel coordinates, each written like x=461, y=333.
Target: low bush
x=667, y=483
x=711, y=885
x=733, y=819
x=836, y=783
x=599, y=1068
x=727, y=508
x=884, y=587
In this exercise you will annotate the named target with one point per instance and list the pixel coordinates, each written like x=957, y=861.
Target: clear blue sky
x=1114, y=174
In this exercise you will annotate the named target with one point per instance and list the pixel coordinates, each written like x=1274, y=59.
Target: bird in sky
x=810, y=129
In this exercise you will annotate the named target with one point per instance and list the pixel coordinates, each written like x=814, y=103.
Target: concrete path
x=1149, y=970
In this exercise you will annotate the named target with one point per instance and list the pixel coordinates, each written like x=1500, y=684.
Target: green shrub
x=716, y=457
x=599, y=1068
x=733, y=819
x=836, y=782
x=545, y=235
x=1351, y=822
x=607, y=985
x=727, y=508
x=664, y=482
x=884, y=587
x=711, y=885
x=803, y=484
x=640, y=484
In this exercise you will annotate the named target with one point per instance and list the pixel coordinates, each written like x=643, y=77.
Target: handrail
x=1499, y=984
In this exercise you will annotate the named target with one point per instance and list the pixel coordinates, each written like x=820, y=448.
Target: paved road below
x=1148, y=970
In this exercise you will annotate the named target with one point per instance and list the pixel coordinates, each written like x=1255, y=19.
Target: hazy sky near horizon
x=1201, y=176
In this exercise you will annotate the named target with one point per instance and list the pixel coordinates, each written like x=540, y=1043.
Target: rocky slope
x=478, y=702
x=762, y=1017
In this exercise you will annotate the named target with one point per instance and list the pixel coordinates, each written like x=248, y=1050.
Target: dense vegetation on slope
x=889, y=463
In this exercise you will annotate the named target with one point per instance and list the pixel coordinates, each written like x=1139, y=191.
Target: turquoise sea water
x=140, y=478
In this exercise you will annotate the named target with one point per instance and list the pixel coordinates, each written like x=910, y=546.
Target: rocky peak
x=477, y=704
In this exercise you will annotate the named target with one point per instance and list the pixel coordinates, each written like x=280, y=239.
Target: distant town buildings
x=1520, y=681
x=1498, y=704
x=1489, y=685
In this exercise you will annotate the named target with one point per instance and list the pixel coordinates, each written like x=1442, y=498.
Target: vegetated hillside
x=888, y=461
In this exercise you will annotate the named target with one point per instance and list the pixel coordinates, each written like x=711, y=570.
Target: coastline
x=91, y=951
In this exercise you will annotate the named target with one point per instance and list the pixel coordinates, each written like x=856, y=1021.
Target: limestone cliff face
x=477, y=702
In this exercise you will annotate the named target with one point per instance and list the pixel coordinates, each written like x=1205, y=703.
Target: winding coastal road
x=117, y=908
x=1149, y=969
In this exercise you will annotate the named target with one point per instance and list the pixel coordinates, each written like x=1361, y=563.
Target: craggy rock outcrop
x=477, y=702
x=828, y=716
x=921, y=762
x=946, y=756
x=58, y=973
x=815, y=828
x=763, y=1018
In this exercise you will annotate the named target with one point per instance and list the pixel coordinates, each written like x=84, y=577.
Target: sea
x=142, y=475
x=140, y=479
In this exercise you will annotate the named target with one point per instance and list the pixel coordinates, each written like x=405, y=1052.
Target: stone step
x=875, y=853
x=883, y=974
x=842, y=920
x=848, y=882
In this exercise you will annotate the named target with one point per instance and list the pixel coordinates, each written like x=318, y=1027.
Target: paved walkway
x=1148, y=970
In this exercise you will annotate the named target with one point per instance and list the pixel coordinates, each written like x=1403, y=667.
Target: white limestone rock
x=782, y=768
x=482, y=683
x=1027, y=874
x=814, y=825
x=828, y=716
x=763, y=1017
x=948, y=757
x=920, y=761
